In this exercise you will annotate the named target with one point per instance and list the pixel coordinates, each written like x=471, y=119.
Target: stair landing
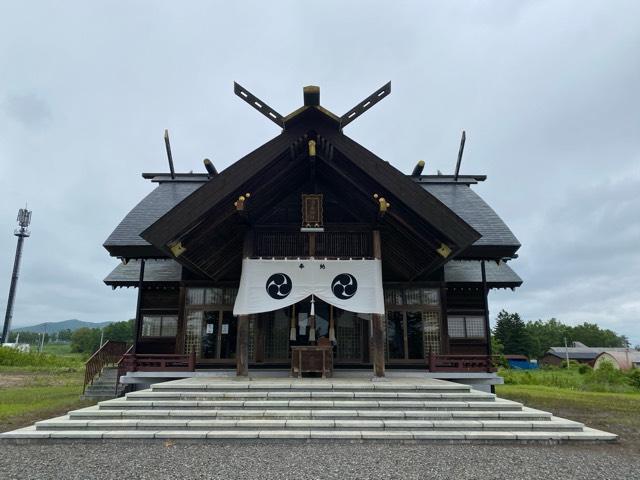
x=353, y=409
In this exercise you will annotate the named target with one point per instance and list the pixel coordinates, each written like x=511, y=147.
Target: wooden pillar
x=377, y=323
x=242, y=336
x=181, y=321
x=137, y=325
x=242, y=346
x=444, y=321
x=485, y=295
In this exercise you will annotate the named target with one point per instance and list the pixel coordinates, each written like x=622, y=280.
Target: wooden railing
x=156, y=363
x=461, y=363
x=108, y=354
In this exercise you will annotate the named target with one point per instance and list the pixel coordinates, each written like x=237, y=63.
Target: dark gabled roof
x=155, y=271
x=572, y=355
x=125, y=241
x=582, y=352
x=469, y=271
x=207, y=216
x=185, y=214
x=497, y=239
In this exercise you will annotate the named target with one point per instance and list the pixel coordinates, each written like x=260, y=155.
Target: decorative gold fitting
x=239, y=204
x=312, y=148
x=177, y=248
x=384, y=205
x=444, y=250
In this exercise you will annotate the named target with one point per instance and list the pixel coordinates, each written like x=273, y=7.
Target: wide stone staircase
x=402, y=409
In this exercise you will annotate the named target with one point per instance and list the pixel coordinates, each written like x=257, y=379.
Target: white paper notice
x=303, y=321
x=225, y=329
x=209, y=328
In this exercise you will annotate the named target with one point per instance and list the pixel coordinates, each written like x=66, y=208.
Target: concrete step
x=95, y=413
x=298, y=414
x=308, y=395
x=476, y=436
x=309, y=404
x=67, y=423
x=309, y=385
x=98, y=387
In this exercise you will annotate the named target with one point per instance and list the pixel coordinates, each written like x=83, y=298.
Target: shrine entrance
x=347, y=332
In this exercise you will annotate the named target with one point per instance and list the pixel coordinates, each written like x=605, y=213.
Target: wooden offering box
x=312, y=359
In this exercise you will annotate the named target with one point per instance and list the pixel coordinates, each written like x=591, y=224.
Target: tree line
x=83, y=340
x=534, y=338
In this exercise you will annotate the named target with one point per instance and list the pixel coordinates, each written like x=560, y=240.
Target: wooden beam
x=258, y=104
x=377, y=321
x=242, y=338
x=179, y=349
x=365, y=105
x=138, y=321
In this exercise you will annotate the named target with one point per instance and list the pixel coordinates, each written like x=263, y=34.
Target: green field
x=36, y=386
x=27, y=395
x=605, y=400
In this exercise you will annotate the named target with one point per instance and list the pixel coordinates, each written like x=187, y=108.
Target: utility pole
x=22, y=232
x=566, y=352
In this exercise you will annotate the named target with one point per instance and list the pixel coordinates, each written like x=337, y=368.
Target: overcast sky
x=548, y=92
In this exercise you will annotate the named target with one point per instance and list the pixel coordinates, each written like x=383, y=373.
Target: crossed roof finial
x=312, y=98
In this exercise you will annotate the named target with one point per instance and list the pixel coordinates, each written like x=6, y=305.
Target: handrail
x=461, y=363
x=108, y=354
x=154, y=362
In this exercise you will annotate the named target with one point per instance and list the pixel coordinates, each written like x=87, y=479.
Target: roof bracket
x=258, y=104
x=365, y=105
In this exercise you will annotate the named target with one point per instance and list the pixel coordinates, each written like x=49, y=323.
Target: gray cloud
x=546, y=90
x=28, y=109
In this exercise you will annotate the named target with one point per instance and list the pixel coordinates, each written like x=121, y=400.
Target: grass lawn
x=63, y=350
x=27, y=396
x=613, y=412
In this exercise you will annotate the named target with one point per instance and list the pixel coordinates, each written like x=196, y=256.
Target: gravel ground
x=156, y=461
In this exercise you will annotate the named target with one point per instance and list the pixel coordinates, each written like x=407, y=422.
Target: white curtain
x=353, y=285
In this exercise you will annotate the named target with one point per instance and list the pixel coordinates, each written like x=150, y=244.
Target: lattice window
x=421, y=296
x=276, y=325
x=348, y=335
x=475, y=327
x=159, y=325
x=431, y=326
x=211, y=296
x=466, y=327
x=193, y=333
x=411, y=296
x=456, y=327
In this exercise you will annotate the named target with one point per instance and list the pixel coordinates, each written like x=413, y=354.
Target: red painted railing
x=461, y=363
x=148, y=362
x=109, y=354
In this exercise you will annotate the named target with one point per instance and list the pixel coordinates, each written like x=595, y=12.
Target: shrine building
x=312, y=249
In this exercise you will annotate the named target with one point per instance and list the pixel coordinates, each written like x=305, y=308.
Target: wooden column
x=377, y=323
x=242, y=337
x=444, y=321
x=137, y=326
x=181, y=321
x=242, y=346
x=485, y=295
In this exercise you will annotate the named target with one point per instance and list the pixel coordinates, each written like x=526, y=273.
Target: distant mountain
x=54, y=327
